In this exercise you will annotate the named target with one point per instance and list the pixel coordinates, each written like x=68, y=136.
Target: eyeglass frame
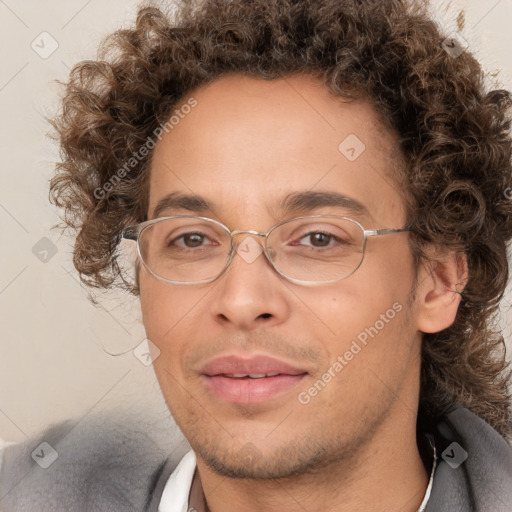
x=133, y=233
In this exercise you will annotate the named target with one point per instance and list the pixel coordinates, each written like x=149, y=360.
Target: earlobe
x=440, y=283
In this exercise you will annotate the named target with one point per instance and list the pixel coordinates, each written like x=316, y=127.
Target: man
x=318, y=192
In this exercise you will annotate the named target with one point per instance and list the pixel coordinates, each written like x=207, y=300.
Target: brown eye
x=320, y=239
x=193, y=239
x=190, y=240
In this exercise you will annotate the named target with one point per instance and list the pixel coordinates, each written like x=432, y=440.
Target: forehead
x=248, y=144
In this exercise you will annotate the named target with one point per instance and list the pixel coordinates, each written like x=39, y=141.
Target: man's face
x=247, y=144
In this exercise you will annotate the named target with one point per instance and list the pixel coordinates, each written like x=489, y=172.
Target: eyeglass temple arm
x=387, y=231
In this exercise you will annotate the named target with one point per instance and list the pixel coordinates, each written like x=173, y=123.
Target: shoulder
x=475, y=466
x=98, y=464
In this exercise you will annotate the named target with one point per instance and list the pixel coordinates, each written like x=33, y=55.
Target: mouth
x=253, y=380
x=250, y=375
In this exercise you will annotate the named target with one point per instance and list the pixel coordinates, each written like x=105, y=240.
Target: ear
x=441, y=279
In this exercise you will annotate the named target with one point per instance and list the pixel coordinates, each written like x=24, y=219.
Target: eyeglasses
x=187, y=249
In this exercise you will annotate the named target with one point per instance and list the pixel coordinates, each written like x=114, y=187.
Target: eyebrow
x=301, y=202
x=176, y=201
x=306, y=201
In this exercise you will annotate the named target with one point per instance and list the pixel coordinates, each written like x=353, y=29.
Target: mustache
x=295, y=349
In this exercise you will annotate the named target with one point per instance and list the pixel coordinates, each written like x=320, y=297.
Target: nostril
x=266, y=315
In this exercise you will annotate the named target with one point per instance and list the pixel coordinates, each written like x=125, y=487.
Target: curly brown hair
x=454, y=136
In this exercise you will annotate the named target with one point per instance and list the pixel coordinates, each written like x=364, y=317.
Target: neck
x=384, y=475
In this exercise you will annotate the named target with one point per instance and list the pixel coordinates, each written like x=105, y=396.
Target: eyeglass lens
x=308, y=249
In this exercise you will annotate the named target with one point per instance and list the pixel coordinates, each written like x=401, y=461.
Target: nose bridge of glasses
x=269, y=252
x=246, y=231
x=250, y=231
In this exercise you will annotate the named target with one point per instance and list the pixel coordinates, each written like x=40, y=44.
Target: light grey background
x=55, y=350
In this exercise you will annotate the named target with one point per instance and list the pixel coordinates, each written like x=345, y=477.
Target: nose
x=249, y=294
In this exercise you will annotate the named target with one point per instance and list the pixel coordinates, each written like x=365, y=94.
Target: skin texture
x=244, y=146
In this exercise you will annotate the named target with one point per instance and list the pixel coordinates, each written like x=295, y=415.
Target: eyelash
x=308, y=234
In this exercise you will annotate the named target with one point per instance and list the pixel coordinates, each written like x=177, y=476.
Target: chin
x=288, y=461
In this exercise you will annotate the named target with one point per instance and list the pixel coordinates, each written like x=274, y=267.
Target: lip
x=280, y=377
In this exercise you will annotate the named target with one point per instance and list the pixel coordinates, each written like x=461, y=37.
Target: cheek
x=161, y=311
x=172, y=318
x=153, y=303
x=351, y=306
x=372, y=340
x=371, y=306
x=161, y=303
x=164, y=309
